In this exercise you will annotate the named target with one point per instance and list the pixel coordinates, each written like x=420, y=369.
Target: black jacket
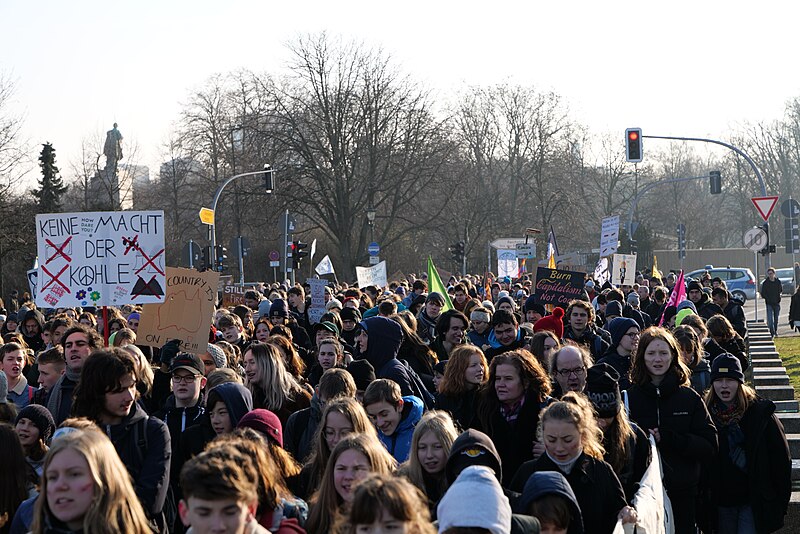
x=766, y=483
x=144, y=446
x=463, y=408
x=597, y=340
x=514, y=441
x=298, y=434
x=621, y=364
x=771, y=291
x=794, y=308
x=635, y=466
x=706, y=308
x=178, y=420
x=688, y=437
x=735, y=314
x=735, y=346
x=594, y=483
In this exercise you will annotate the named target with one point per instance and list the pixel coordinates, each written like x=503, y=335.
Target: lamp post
x=371, y=213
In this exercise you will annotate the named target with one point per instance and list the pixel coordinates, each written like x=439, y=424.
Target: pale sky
x=686, y=68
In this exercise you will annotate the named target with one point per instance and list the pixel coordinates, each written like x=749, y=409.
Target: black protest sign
x=554, y=286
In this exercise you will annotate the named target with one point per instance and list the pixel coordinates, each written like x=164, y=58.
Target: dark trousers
x=684, y=510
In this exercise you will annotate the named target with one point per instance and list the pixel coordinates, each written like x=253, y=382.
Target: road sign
x=274, y=255
x=526, y=250
x=374, y=249
x=507, y=243
x=792, y=233
x=207, y=216
x=274, y=263
x=191, y=255
x=790, y=208
x=765, y=205
x=755, y=239
x=374, y=260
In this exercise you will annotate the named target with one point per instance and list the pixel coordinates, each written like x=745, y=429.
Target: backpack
x=169, y=514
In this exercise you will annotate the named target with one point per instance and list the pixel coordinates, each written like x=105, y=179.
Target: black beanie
x=350, y=314
x=279, y=308
x=727, y=365
x=41, y=418
x=363, y=373
x=614, y=308
x=602, y=388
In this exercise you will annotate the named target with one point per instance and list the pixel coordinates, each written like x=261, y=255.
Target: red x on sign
x=130, y=244
x=54, y=278
x=150, y=261
x=59, y=250
x=147, y=287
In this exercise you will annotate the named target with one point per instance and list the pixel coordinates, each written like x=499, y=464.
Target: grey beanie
x=218, y=355
x=3, y=388
x=263, y=309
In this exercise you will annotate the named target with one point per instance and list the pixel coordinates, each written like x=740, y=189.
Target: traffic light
x=222, y=258
x=681, y=241
x=633, y=145
x=634, y=246
x=768, y=248
x=457, y=252
x=205, y=258
x=269, y=178
x=715, y=179
x=298, y=253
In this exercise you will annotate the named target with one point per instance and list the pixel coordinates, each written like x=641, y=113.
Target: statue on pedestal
x=113, y=148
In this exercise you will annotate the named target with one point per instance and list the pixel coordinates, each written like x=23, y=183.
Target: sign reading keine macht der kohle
x=100, y=258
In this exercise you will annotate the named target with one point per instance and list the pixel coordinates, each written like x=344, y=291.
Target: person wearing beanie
x=333, y=304
x=265, y=423
x=553, y=323
x=704, y=306
x=263, y=308
x=627, y=448
x=633, y=299
x=279, y=315
x=613, y=310
x=363, y=374
x=480, y=321
x=426, y=318
x=624, y=337
x=475, y=500
x=750, y=476
x=35, y=426
x=350, y=319
x=682, y=314
x=213, y=359
x=533, y=310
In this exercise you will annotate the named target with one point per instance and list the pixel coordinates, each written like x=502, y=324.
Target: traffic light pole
x=214, y=209
x=739, y=151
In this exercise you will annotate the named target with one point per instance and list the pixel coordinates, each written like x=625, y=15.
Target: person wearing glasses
x=624, y=338
x=568, y=369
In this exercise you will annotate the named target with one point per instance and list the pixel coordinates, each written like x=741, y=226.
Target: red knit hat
x=554, y=323
x=265, y=423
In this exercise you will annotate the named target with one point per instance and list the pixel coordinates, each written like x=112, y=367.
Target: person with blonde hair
x=430, y=447
x=383, y=503
x=353, y=458
x=466, y=371
x=750, y=477
x=273, y=387
x=86, y=488
x=341, y=416
x=573, y=447
x=663, y=404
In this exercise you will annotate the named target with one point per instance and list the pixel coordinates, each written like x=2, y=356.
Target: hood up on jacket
x=237, y=398
x=384, y=338
x=546, y=483
x=472, y=447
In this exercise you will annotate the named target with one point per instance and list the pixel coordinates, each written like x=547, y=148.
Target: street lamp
x=371, y=221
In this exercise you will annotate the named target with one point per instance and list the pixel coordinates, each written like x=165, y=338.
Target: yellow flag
x=655, y=268
x=551, y=261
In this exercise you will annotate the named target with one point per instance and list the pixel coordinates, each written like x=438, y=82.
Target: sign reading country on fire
x=100, y=258
x=554, y=286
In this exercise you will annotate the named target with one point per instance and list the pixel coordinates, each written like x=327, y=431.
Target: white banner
x=100, y=258
x=372, y=276
x=317, y=308
x=609, y=236
x=623, y=269
x=325, y=266
x=507, y=264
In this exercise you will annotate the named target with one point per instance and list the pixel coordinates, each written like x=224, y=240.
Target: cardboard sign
x=233, y=295
x=317, y=308
x=185, y=314
x=100, y=258
x=623, y=269
x=554, y=286
x=372, y=276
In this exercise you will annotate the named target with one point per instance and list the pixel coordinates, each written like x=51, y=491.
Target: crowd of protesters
x=393, y=413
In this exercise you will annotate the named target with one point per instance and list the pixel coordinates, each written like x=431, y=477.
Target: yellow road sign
x=207, y=216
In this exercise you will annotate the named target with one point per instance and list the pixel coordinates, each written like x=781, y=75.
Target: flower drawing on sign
x=95, y=296
x=81, y=294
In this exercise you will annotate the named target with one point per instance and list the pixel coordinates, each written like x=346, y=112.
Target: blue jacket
x=399, y=443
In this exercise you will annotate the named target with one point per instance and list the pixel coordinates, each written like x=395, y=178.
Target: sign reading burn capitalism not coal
x=100, y=258
x=186, y=312
x=554, y=286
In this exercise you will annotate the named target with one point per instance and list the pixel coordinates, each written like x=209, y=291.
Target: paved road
x=783, y=324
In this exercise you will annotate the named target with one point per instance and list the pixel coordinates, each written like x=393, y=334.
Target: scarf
x=511, y=413
x=54, y=400
x=567, y=466
x=725, y=414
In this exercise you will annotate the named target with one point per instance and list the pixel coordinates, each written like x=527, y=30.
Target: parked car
x=786, y=276
x=740, y=280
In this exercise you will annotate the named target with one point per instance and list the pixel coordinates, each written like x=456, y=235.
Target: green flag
x=435, y=284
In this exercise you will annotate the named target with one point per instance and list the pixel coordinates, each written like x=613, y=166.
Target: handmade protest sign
x=100, y=258
x=372, y=276
x=186, y=312
x=233, y=295
x=623, y=269
x=554, y=286
x=317, y=292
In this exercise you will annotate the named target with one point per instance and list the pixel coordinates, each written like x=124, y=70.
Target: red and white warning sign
x=765, y=205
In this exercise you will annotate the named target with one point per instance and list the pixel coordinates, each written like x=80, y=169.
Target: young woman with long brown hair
x=464, y=374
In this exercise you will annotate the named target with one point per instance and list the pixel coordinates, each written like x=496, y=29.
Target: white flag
x=325, y=266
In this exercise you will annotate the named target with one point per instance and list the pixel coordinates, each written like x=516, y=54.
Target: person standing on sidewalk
x=771, y=289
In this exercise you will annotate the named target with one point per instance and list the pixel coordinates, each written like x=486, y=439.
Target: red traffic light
x=633, y=136
x=633, y=145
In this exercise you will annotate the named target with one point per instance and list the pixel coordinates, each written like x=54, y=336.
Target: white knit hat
x=475, y=500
